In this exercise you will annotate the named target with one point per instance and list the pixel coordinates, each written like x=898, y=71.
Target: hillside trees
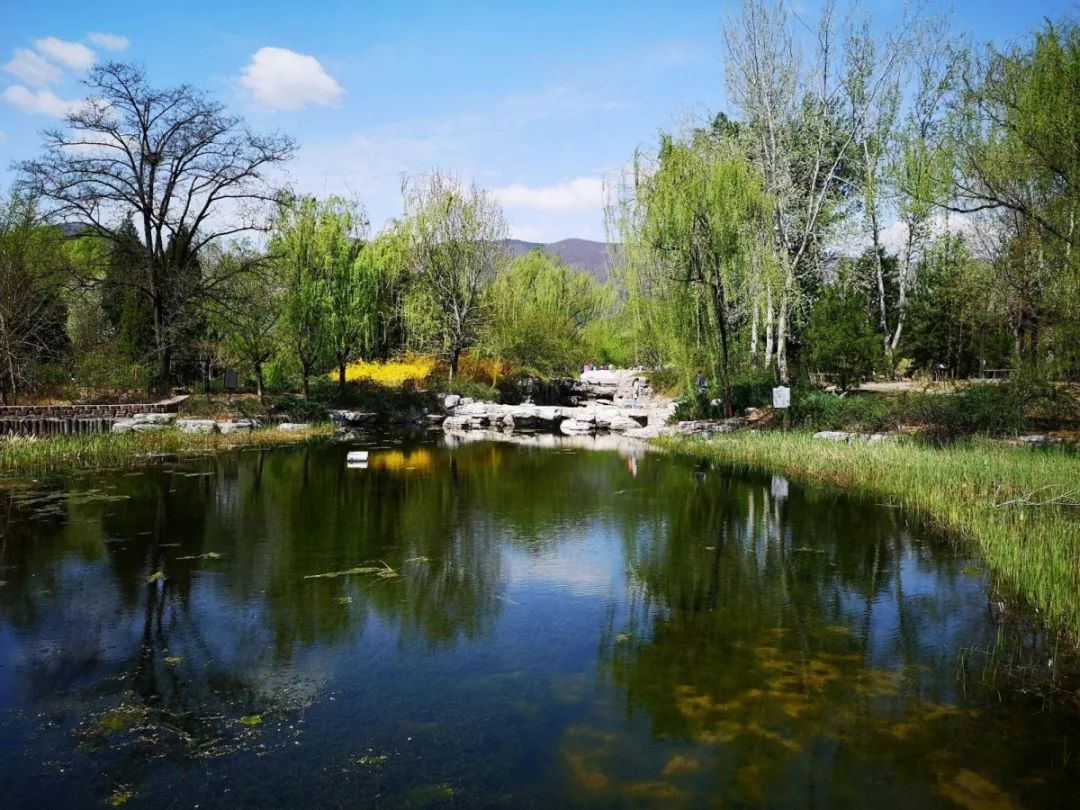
x=176, y=162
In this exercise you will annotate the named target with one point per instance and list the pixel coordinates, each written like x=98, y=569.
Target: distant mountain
x=583, y=254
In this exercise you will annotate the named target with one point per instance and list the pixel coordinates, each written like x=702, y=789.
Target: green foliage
x=988, y=410
x=540, y=309
x=314, y=246
x=299, y=409
x=456, y=248
x=697, y=254
x=842, y=343
x=33, y=314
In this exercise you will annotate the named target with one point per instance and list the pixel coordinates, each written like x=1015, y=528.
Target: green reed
x=50, y=454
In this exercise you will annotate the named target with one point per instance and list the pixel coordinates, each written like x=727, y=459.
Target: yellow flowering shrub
x=413, y=368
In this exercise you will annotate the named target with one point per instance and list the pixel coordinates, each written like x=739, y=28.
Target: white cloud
x=74, y=55
x=40, y=102
x=32, y=68
x=582, y=194
x=281, y=79
x=110, y=42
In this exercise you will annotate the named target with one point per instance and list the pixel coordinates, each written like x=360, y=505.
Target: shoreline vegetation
x=1020, y=507
x=58, y=454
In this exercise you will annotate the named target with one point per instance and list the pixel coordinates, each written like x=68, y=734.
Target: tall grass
x=1018, y=505
x=54, y=454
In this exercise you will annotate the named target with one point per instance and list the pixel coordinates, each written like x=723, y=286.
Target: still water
x=495, y=625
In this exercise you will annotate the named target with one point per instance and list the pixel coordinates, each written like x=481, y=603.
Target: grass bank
x=1018, y=505
x=54, y=454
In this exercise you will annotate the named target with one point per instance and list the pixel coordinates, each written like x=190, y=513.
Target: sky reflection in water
x=488, y=624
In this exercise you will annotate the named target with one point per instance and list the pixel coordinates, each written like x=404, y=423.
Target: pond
x=487, y=624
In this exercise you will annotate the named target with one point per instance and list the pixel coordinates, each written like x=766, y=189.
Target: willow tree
x=457, y=246
x=314, y=244
x=697, y=241
x=541, y=308
x=1018, y=158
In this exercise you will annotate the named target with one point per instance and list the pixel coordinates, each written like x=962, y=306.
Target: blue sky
x=539, y=101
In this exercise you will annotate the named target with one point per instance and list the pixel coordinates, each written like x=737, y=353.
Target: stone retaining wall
x=36, y=420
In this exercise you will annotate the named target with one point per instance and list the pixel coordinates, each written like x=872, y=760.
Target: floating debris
x=173, y=660
x=252, y=719
x=384, y=571
x=121, y=795
x=372, y=760
x=155, y=577
x=210, y=555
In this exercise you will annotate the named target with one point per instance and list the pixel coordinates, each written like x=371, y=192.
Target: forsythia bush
x=412, y=368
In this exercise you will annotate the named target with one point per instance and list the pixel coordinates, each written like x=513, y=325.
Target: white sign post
x=781, y=401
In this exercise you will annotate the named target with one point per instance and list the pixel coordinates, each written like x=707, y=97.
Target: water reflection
x=497, y=623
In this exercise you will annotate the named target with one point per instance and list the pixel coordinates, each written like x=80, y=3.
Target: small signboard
x=781, y=397
x=232, y=379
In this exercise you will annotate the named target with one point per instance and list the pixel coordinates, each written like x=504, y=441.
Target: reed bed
x=55, y=454
x=1019, y=505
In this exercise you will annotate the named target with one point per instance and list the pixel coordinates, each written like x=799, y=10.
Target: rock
x=353, y=419
x=1037, y=439
x=621, y=424
x=476, y=409
x=197, y=425
x=834, y=436
x=847, y=436
x=147, y=427
x=464, y=423
x=237, y=426
x=877, y=438
x=291, y=426
x=155, y=418
x=572, y=426
x=451, y=401
x=123, y=426
x=709, y=427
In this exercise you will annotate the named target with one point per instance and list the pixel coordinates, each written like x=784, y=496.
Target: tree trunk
x=768, y=329
x=781, y=338
x=259, y=380
x=720, y=313
x=165, y=371
x=455, y=355
x=341, y=378
x=754, y=360
x=306, y=374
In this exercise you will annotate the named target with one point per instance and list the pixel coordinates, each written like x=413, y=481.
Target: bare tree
x=456, y=236
x=175, y=161
x=805, y=122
